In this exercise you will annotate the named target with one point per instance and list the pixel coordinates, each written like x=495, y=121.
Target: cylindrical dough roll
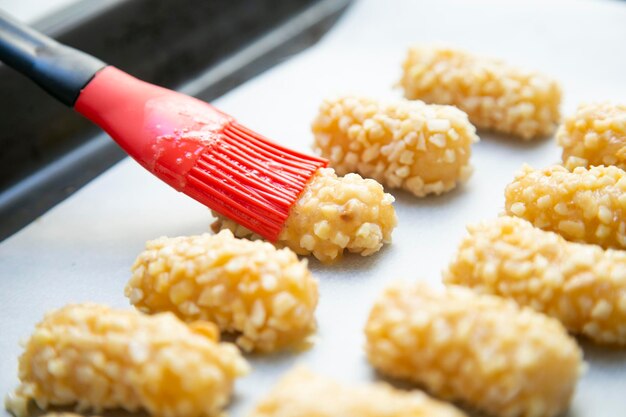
x=267, y=295
x=424, y=149
x=495, y=95
x=581, y=285
x=100, y=358
x=586, y=205
x=332, y=215
x=480, y=349
x=594, y=135
x=301, y=393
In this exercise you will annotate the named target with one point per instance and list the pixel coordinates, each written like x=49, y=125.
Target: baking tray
x=82, y=249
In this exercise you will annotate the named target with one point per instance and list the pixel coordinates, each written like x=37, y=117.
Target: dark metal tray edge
x=23, y=202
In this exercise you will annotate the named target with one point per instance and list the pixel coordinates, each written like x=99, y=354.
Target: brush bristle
x=250, y=179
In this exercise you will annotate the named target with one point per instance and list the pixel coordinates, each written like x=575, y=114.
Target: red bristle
x=265, y=142
x=270, y=217
x=250, y=179
x=298, y=163
x=223, y=178
x=293, y=167
x=254, y=184
x=221, y=203
x=252, y=162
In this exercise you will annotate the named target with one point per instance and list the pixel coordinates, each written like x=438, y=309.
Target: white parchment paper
x=82, y=249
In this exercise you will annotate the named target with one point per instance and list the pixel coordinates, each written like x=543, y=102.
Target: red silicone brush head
x=200, y=150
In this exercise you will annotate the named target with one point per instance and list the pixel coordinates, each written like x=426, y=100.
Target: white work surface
x=82, y=249
x=30, y=11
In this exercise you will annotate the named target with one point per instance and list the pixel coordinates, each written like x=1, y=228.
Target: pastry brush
x=192, y=146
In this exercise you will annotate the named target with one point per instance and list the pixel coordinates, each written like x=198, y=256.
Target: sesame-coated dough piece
x=594, y=135
x=585, y=205
x=99, y=358
x=482, y=350
x=302, y=393
x=63, y=414
x=424, y=149
x=332, y=215
x=581, y=285
x=495, y=95
x=267, y=295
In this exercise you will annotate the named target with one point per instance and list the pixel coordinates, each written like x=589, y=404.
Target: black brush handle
x=60, y=70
